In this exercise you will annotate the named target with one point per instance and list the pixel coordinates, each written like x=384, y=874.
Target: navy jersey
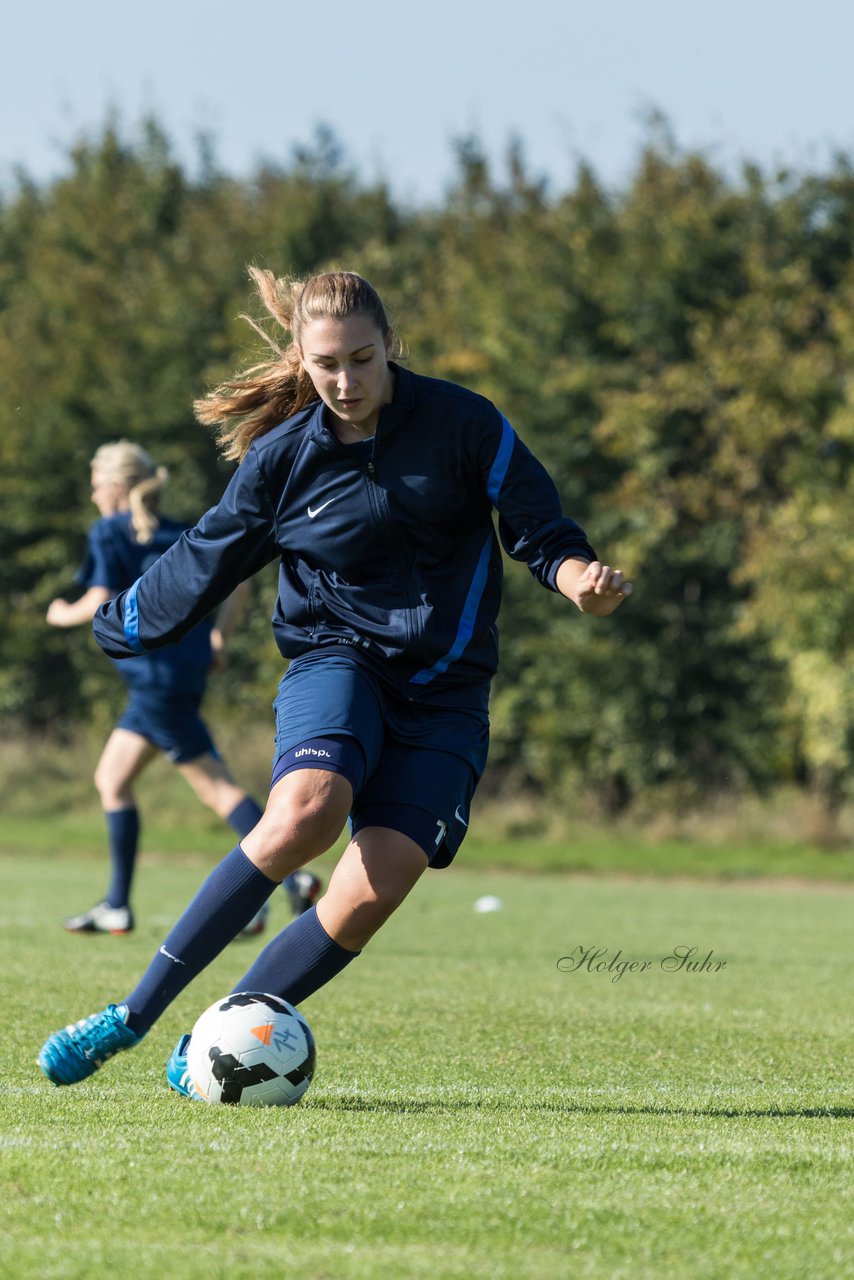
x=389, y=548
x=115, y=560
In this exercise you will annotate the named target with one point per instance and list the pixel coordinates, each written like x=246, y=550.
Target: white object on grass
x=488, y=903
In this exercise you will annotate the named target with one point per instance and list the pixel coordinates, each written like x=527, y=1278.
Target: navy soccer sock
x=245, y=816
x=298, y=962
x=227, y=901
x=123, y=835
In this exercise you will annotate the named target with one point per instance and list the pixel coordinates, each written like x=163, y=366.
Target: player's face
x=109, y=496
x=347, y=361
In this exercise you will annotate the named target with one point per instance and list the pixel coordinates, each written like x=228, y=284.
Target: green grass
x=50, y=807
x=191, y=830
x=476, y=1112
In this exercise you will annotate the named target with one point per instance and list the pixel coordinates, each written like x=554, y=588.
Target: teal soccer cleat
x=77, y=1051
x=177, y=1074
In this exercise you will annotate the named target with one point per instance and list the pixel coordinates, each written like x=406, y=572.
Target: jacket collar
x=402, y=403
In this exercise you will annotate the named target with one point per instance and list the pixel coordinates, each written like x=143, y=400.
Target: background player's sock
x=300, y=960
x=245, y=816
x=227, y=901
x=123, y=836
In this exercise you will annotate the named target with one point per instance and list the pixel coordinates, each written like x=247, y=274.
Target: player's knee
x=305, y=815
x=309, y=823
x=108, y=787
x=319, y=822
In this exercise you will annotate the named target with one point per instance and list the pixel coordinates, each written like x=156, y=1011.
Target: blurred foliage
x=679, y=353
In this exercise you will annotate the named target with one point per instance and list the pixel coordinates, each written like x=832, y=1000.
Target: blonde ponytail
x=144, y=501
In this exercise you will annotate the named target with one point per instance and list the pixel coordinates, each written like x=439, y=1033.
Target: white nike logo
x=459, y=817
x=169, y=956
x=322, y=507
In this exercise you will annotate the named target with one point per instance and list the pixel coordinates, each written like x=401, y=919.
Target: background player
x=165, y=689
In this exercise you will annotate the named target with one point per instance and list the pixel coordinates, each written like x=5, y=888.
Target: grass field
x=478, y=1110
x=170, y=833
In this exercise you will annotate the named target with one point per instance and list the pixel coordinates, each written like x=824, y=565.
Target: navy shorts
x=172, y=725
x=414, y=766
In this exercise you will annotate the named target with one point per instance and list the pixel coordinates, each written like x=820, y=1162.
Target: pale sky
x=767, y=80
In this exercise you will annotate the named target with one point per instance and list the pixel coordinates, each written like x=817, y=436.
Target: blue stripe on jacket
x=131, y=620
x=465, y=629
x=467, y=619
x=498, y=470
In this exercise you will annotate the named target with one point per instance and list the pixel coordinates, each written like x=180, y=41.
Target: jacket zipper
x=376, y=506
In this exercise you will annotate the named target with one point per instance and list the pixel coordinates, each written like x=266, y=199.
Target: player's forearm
x=568, y=576
x=61, y=613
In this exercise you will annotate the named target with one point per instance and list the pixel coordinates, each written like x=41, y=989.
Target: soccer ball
x=251, y=1049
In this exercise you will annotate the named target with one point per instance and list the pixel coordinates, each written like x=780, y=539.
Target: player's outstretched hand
x=57, y=613
x=600, y=589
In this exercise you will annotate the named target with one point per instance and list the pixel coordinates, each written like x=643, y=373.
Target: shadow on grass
x=411, y=1106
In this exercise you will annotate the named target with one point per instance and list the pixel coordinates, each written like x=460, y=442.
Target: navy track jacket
x=388, y=547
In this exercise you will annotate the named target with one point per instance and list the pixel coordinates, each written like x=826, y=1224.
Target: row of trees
x=679, y=353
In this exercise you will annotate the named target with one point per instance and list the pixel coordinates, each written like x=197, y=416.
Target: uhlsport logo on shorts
x=312, y=751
